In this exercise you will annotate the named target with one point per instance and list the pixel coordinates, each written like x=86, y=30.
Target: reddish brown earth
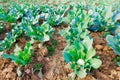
x=54, y=66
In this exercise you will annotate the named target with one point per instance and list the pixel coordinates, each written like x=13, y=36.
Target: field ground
x=54, y=67
x=53, y=64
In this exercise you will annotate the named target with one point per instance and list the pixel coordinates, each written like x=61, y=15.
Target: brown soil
x=54, y=66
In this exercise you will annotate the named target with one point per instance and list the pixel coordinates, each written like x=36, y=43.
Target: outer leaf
x=81, y=73
x=113, y=42
x=90, y=54
x=67, y=57
x=6, y=56
x=95, y=63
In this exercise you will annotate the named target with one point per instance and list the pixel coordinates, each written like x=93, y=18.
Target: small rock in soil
x=99, y=47
x=105, y=48
x=43, y=51
x=19, y=78
x=7, y=70
x=39, y=58
x=11, y=65
x=8, y=75
x=34, y=77
x=11, y=75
